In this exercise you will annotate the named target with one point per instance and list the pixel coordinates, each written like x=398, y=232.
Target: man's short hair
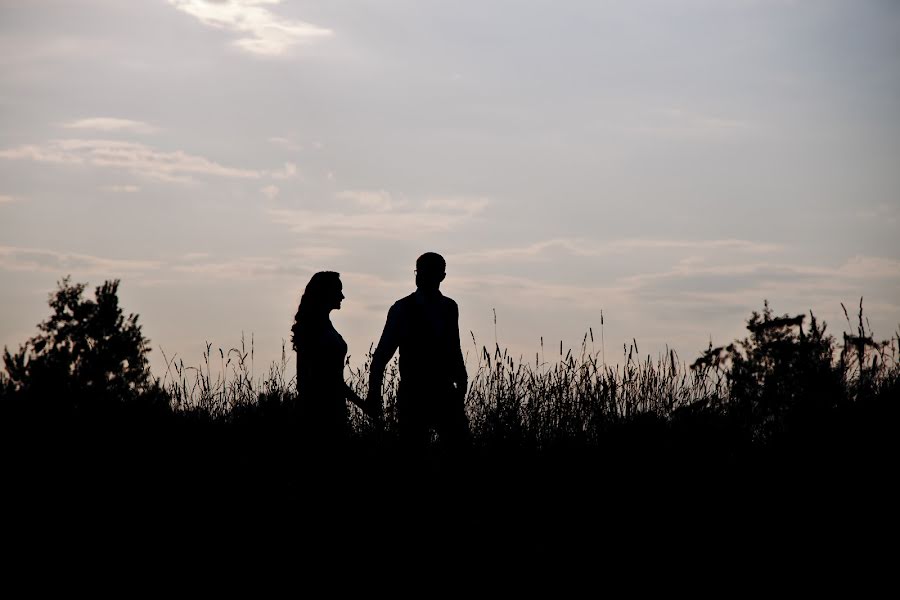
x=431, y=262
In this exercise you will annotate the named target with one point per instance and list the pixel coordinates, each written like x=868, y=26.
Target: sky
x=672, y=164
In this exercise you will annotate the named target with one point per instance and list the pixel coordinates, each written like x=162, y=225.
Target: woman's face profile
x=336, y=294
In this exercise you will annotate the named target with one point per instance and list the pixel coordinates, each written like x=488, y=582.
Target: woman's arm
x=352, y=396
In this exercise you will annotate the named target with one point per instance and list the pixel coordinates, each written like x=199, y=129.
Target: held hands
x=373, y=407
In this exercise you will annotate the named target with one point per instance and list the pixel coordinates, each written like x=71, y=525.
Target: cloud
x=378, y=201
x=317, y=252
x=270, y=191
x=243, y=269
x=735, y=284
x=139, y=159
x=192, y=256
x=541, y=293
x=195, y=265
x=468, y=205
x=35, y=259
x=883, y=212
x=389, y=223
x=704, y=245
x=49, y=152
x=121, y=189
x=854, y=268
x=679, y=123
x=111, y=124
x=286, y=143
x=297, y=262
x=239, y=268
x=262, y=32
x=869, y=267
x=542, y=251
x=697, y=282
x=25, y=48
x=5, y=199
x=375, y=225
x=288, y=172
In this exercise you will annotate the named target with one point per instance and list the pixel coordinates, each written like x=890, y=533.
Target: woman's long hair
x=312, y=301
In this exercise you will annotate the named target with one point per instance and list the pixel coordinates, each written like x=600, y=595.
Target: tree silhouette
x=87, y=355
x=781, y=376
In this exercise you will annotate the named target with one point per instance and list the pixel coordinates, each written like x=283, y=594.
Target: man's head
x=430, y=271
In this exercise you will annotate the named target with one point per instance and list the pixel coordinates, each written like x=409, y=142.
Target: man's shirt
x=425, y=328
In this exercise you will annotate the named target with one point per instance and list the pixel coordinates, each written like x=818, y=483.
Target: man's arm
x=350, y=394
x=459, y=363
x=387, y=345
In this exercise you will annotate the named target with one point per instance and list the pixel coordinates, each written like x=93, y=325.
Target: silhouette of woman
x=321, y=352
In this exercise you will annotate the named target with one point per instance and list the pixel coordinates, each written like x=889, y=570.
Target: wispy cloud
x=192, y=256
x=742, y=284
x=262, y=31
x=533, y=292
x=6, y=199
x=270, y=191
x=882, y=212
x=244, y=268
x=111, y=124
x=121, y=189
x=869, y=267
x=289, y=171
x=711, y=245
x=317, y=252
x=854, y=268
x=24, y=48
x=299, y=261
x=197, y=266
x=139, y=159
x=285, y=143
x=35, y=259
x=695, y=294
x=464, y=204
x=434, y=217
x=544, y=250
x=680, y=123
x=377, y=200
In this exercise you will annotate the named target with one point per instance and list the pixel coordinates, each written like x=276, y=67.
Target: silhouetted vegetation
x=88, y=357
x=78, y=398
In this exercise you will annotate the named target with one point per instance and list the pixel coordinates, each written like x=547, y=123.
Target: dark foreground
x=648, y=466
x=786, y=438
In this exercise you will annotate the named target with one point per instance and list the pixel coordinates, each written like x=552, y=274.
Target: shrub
x=88, y=354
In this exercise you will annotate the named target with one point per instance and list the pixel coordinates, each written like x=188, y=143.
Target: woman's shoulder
x=307, y=333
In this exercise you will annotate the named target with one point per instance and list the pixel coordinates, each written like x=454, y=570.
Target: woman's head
x=324, y=291
x=323, y=294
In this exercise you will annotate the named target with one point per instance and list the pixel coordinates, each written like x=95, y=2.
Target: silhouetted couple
x=424, y=326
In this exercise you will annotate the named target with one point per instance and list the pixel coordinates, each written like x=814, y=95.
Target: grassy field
x=788, y=407
x=788, y=375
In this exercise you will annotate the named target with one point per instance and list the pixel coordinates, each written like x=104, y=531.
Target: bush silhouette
x=779, y=373
x=88, y=355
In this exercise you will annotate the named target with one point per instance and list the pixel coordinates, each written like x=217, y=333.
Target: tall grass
x=578, y=399
x=219, y=393
x=788, y=399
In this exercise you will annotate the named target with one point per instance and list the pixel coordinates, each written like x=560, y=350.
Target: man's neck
x=428, y=292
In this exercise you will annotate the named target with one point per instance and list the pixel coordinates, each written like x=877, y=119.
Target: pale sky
x=671, y=162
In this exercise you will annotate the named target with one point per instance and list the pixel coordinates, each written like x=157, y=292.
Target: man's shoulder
x=409, y=304
x=449, y=303
x=404, y=304
x=449, y=307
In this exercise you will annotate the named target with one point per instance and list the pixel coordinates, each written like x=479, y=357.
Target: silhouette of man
x=425, y=327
